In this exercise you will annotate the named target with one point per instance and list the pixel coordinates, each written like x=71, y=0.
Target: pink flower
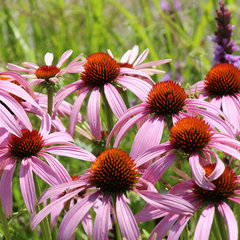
x=112, y=174
x=26, y=145
x=190, y=138
x=130, y=59
x=222, y=88
x=166, y=103
x=48, y=72
x=226, y=188
x=100, y=76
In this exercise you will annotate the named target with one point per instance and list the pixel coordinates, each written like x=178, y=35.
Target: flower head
x=100, y=75
x=226, y=188
x=49, y=72
x=112, y=174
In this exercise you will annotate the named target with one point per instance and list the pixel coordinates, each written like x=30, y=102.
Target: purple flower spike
x=225, y=46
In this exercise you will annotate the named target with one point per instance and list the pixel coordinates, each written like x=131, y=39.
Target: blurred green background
x=30, y=28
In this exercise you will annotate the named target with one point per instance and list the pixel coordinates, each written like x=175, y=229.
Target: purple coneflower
x=100, y=76
x=165, y=103
x=25, y=145
x=222, y=88
x=226, y=187
x=112, y=174
x=191, y=138
x=225, y=46
x=48, y=72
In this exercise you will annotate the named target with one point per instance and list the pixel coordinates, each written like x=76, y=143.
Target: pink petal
x=115, y=100
x=44, y=171
x=148, y=135
x=126, y=56
x=74, y=216
x=134, y=54
x=178, y=227
x=158, y=168
x=161, y=230
x=45, y=125
x=126, y=127
x=48, y=58
x=30, y=65
x=101, y=222
x=153, y=63
x=6, y=187
x=57, y=138
x=139, y=87
x=64, y=58
x=182, y=187
x=27, y=184
x=135, y=72
x=126, y=220
x=152, y=153
x=71, y=151
x=229, y=219
x=141, y=58
x=204, y=223
x=36, y=219
x=75, y=110
x=93, y=113
x=57, y=167
x=19, y=69
x=199, y=173
x=167, y=202
x=16, y=108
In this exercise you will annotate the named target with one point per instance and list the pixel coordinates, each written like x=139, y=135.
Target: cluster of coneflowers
x=196, y=130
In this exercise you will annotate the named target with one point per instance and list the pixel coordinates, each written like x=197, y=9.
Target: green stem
x=125, y=99
x=45, y=226
x=221, y=225
x=215, y=228
x=50, y=93
x=4, y=223
x=118, y=232
x=109, y=117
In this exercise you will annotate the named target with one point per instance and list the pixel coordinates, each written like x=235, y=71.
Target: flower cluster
x=195, y=130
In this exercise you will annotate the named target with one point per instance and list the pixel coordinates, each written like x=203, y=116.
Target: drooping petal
x=45, y=125
x=204, y=223
x=148, y=135
x=101, y=222
x=44, y=171
x=36, y=219
x=57, y=167
x=126, y=220
x=178, y=227
x=158, y=168
x=64, y=58
x=57, y=138
x=199, y=173
x=74, y=216
x=75, y=110
x=115, y=100
x=6, y=187
x=48, y=58
x=19, y=69
x=167, y=202
x=139, y=87
x=161, y=230
x=152, y=153
x=71, y=151
x=93, y=113
x=27, y=184
x=229, y=219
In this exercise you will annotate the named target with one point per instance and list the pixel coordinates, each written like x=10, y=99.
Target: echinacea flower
x=166, y=103
x=25, y=145
x=130, y=59
x=100, y=76
x=48, y=72
x=112, y=174
x=222, y=88
x=226, y=187
x=194, y=139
